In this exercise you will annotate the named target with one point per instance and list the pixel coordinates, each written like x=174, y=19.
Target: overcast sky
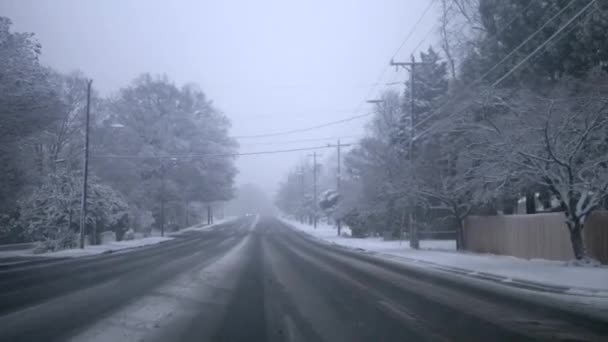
x=270, y=65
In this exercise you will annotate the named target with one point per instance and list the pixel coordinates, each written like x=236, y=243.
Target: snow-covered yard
x=202, y=227
x=89, y=250
x=109, y=247
x=113, y=246
x=443, y=254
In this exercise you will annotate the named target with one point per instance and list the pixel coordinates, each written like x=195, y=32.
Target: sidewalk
x=18, y=256
x=539, y=275
x=88, y=250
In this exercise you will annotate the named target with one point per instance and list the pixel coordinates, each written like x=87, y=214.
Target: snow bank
x=107, y=248
x=112, y=246
x=88, y=250
x=203, y=227
x=377, y=244
x=589, y=280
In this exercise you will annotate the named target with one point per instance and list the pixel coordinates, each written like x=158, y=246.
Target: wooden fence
x=543, y=236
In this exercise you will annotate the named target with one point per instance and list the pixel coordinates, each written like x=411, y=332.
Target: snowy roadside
x=543, y=275
x=203, y=227
x=110, y=247
x=89, y=250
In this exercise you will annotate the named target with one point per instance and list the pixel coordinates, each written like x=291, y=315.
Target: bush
x=63, y=240
x=129, y=234
x=11, y=230
x=172, y=227
x=357, y=223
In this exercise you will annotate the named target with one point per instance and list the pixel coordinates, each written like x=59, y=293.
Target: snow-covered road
x=252, y=280
x=590, y=281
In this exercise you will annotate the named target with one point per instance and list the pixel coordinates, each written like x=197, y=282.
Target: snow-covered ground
x=201, y=227
x=90, y=250
x=581, y=280
x=106, y=248
x=112, y=246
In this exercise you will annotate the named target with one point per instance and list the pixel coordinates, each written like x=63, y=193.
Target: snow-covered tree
x=328, y=202
x=454, y=180
x=52, y=212
x=28, y=105
x=27, y=98
x=558, y=140
x=178, y=144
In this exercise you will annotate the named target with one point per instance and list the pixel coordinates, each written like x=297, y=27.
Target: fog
x=311, y=170
x=270, y=65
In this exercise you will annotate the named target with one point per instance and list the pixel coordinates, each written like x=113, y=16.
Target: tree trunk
x=460, y=234
x=545, y=198
x=578, y=242
x=413, y=226
x=530, y=202
x=509, y=206
x=390, y=219
x=186, y=213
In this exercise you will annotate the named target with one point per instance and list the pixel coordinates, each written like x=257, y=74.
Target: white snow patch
x=107, y=248
x=89, y=250
x=203, y=227
x=114, y=246
x=588, y=280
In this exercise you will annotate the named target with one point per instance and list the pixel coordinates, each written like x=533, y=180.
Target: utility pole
x=162, y=198
x=302, y=191
x=314, y=179
x=314, y=186
x=85, y=168
x=414, y=239
x=338, y=176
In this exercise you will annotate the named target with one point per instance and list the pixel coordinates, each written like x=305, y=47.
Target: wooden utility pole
x=162, y=198
x=85, y=168
x=302, y=192
x=314, y=179
x=314, y=187
x=338, y=179
x=414, y=239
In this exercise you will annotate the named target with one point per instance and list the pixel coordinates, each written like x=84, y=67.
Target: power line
x=479, y=79
x=528, y=38
x=542, y=46
x=403, y=42
x=304, y=140
x=413, y=29
x=373, y=88
x=211, y=155
x=426, y=36
x=499, y=31
x=299, y=130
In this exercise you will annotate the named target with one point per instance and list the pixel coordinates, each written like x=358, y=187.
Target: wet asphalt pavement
x=261, y=281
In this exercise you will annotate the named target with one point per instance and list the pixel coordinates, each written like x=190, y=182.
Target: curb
x=495, y=278
x=503, y=280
